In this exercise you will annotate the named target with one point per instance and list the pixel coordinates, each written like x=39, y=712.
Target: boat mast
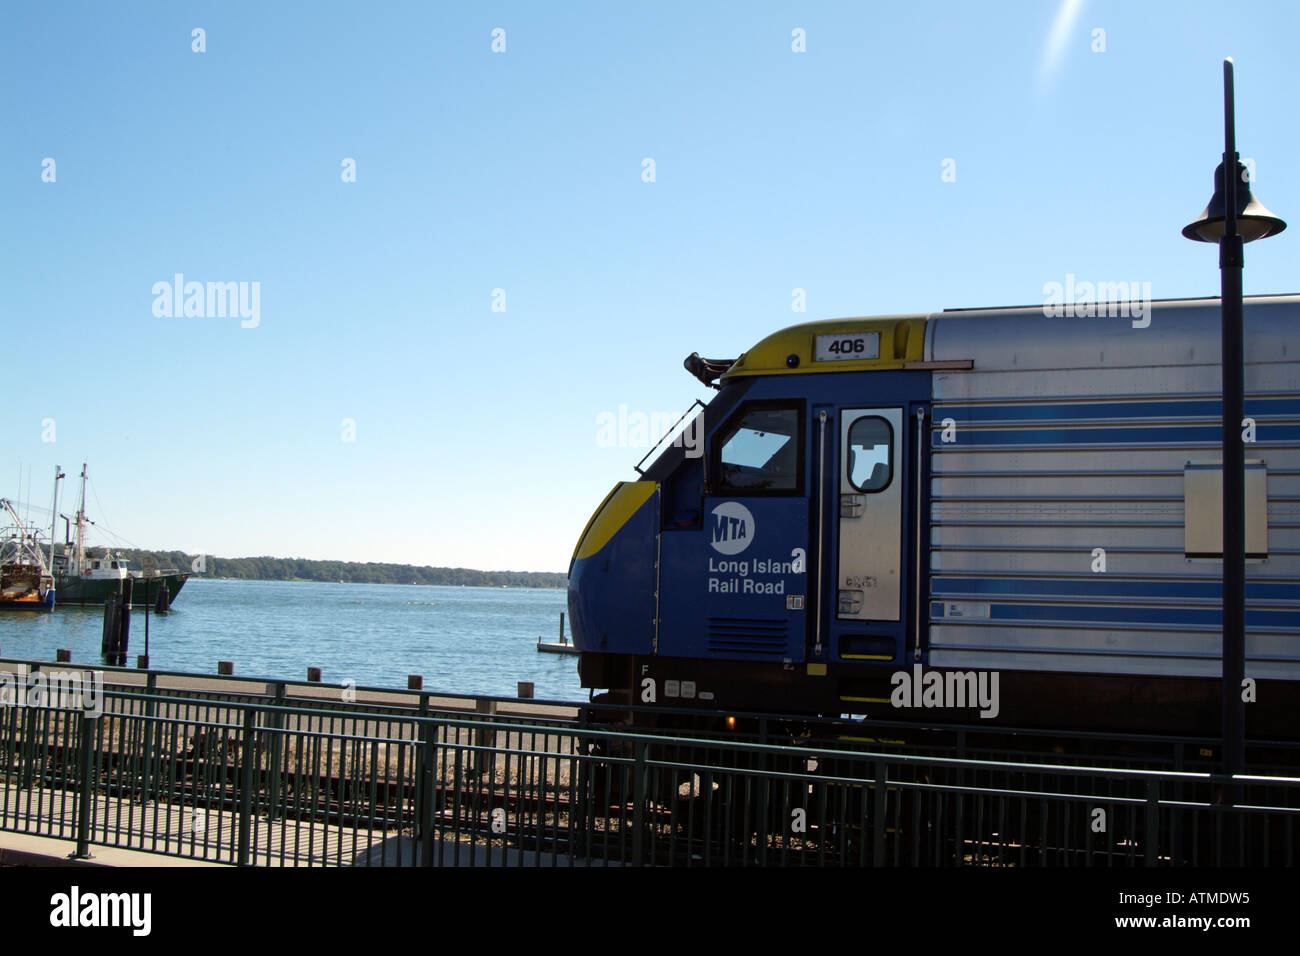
x=81, y=525
x=28, y=551
x=54, y=522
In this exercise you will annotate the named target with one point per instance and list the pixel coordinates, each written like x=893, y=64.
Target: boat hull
x=44, y=603
x=24, y=588
x=28, y=602
x=83, y=592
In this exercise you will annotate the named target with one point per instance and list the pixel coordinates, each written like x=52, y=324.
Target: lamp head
x=1253, y=220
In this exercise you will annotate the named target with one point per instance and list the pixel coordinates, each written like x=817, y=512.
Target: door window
x=870, y=451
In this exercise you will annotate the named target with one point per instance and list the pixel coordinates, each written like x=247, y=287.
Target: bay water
x=463, y=640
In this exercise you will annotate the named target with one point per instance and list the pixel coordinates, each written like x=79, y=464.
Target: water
x=463, y=640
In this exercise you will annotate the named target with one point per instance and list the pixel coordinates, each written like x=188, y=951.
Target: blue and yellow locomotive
x=883, y=506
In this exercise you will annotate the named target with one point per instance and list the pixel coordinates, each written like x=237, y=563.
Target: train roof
x=1159, y=332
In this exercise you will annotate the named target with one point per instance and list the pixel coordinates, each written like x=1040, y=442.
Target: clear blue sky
x=475, y=431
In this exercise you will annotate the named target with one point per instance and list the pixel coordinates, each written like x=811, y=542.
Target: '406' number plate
x=848, y=345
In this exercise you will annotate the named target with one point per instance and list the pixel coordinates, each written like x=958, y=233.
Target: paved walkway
x=21, y=849
x=172, y=834
x=166, y=835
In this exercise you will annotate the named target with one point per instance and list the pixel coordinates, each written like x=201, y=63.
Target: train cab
x=775, y=553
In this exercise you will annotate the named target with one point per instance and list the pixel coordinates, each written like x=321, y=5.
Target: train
x=995, y=516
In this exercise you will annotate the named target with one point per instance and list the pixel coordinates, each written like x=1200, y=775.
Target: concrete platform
x=132, y=680
x=21, y=849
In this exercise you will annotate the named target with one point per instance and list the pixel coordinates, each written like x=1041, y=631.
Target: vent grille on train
x=747, y=635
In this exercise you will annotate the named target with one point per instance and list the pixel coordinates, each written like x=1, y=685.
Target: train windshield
x=761, y=451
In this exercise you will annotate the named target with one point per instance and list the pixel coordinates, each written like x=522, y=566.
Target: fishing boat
x=91, y=576
x=26, y=583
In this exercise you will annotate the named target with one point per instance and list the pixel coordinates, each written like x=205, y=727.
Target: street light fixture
x=1232, y=218
x=1253, y=220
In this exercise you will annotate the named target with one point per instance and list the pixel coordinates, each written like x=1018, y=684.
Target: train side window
x=760, y=452
x=871, y=454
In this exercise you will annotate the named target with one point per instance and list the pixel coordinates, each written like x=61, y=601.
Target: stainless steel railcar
x=890, y=507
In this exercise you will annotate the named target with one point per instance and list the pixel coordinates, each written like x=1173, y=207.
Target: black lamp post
x=1232, y=219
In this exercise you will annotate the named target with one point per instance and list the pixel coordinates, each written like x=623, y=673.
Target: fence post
x=277, y=750
x=878, y=823
x=764, y=796
x=29, y=736
x=1151, y=831
x=9, y=748
x=150, y=711
x=484, y=736
x=85, y=786
x=638, y=807
x=959, y=802
x=425, y=796
x=580, y=784
x=246, y=786
x=1176, y=831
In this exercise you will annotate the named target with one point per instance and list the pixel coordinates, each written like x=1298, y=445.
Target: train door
x=737, y=591
x=874, y=602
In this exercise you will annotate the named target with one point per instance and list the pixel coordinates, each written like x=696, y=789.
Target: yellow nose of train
x=611, y=576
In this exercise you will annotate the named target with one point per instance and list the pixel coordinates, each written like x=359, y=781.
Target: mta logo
x=733, y=528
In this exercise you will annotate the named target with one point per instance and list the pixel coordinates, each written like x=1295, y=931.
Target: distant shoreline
x=490, y=587
x=266, y=568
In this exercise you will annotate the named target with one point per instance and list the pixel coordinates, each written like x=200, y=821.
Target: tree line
x=352, y=572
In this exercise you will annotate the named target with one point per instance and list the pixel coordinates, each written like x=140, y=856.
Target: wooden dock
x=551, y=647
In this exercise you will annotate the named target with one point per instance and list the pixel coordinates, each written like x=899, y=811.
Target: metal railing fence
x=257, y=783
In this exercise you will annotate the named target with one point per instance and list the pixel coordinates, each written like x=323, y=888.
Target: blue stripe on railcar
x=1045, y=411
x=1102, y=586
x=1138, y=434
x=1124, y=614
